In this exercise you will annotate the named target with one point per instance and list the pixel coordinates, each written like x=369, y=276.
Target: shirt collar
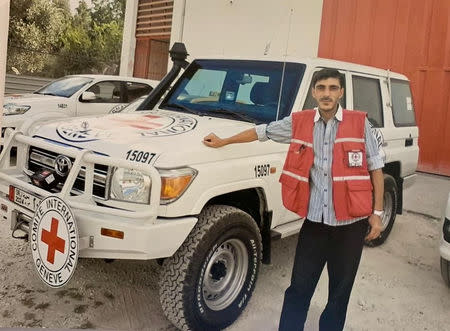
x=338, y=114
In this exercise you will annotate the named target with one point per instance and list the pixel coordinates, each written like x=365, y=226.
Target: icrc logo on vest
x=54, y=242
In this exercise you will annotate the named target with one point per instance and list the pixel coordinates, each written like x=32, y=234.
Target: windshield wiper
x=234, y=114
x=184, y=108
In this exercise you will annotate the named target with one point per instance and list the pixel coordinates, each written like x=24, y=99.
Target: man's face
x=327, y=93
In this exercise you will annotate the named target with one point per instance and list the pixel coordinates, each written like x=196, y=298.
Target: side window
x=311, y=103
x=135, y=90
x=367, y=97
x=106, y=92
x=402, y=104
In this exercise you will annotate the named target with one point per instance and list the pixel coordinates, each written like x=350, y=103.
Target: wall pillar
x=128, y=38
x=4, y=23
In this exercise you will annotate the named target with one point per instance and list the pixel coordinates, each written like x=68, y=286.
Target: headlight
x=174, y=183
x=14, y=109
x=130, y=186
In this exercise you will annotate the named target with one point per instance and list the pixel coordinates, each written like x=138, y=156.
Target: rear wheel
x=445, y=271
x=207, y=283
x=390, y=210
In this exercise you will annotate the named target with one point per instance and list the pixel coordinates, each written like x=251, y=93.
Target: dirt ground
x=398, y=287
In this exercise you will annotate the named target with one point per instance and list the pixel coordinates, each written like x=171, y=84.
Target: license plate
x=26, y=199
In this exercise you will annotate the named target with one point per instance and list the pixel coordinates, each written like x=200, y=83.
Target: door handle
x=408, y=142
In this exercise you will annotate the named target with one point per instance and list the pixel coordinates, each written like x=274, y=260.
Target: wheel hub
x=225, y=274
x=218, y=270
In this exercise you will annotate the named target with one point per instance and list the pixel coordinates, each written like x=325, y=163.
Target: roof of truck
x=316, y=62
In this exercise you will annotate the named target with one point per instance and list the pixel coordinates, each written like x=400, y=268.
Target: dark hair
x=328, y=73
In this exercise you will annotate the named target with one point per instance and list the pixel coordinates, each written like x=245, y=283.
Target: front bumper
x=146, y=236
x=142, y=240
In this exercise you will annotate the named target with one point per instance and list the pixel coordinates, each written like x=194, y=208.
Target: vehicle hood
x=174, y=137
x=30, y=99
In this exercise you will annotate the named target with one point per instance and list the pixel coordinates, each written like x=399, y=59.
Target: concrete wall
x=24, y=84
x=248, y=27
x=4, y=22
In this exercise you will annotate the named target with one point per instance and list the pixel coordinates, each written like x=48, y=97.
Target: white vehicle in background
x=445, y=245
x=74, y=95
x=140, y=184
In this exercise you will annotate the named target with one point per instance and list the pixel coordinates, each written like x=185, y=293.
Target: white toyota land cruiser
x=141, y=185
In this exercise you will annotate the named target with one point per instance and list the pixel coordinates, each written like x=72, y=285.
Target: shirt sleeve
x=374, y=158
x=279, y=131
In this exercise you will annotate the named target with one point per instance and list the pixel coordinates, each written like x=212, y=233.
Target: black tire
x=390, y=210
x=445, y=271
x=223, y=249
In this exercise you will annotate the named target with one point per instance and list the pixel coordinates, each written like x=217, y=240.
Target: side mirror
x=88, y=96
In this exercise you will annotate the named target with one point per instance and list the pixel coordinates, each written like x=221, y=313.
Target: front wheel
x=390, y=210
x=208, y=282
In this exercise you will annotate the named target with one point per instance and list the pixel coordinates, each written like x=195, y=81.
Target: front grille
x=40, y=158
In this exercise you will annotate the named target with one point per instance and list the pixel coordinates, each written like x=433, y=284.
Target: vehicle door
x=108, y=94
x=368, y=94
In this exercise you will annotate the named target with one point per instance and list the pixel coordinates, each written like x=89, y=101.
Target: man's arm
x=376, y=176
x=279, y=131
x=375, y=164
x=246, y=136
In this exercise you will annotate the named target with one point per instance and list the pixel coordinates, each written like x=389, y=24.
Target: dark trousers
x=340, y=248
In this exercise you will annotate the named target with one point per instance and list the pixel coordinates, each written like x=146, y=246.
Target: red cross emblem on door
x=54, y=242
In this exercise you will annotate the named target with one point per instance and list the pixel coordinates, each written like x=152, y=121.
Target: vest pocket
x=359, y=202
x=296, y=157
x=295, y=194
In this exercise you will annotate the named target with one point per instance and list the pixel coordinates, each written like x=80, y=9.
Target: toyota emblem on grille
x=62, y=165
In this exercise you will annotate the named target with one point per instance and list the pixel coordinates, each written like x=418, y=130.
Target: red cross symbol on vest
x=53, y=241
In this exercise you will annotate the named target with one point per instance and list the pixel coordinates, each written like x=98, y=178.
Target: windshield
x=243, y=90
x=64, y=87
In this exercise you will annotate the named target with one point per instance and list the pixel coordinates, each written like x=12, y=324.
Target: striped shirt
x=321, y=190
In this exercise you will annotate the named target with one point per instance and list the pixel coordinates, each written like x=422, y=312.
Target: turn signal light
x=112, y=233
x=172, y=187
x=11, y=193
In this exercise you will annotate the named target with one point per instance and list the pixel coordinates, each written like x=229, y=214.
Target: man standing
x=329, y=173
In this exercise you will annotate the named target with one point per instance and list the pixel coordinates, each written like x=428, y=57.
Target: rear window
x=402, y=103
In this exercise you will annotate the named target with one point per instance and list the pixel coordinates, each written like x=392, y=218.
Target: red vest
x=352, y=188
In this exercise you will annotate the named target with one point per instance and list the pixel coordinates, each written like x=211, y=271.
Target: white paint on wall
x=129, y=39
x=248, y=28
x=4, y=22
